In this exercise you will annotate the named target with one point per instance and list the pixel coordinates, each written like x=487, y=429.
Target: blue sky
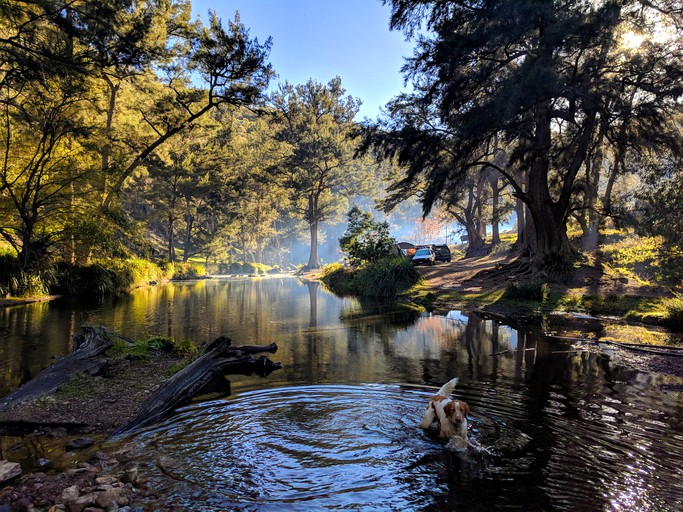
x=320, y=39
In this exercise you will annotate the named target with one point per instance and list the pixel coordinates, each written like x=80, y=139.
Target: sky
x=321, y=39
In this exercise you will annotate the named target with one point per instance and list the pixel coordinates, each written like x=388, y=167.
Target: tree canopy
x=548, y=79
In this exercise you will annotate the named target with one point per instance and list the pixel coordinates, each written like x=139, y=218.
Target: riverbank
x=65, y=435
x=483, y=284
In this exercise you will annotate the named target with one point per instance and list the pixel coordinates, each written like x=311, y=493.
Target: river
x=336, y=427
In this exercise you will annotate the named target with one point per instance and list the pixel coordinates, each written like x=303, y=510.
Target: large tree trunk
x=520, y=210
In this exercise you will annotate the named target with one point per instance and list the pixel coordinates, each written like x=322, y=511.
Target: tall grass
x=18, y=282
x=108, y=276
x=181, y=271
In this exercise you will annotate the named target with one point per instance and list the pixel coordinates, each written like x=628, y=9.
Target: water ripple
x=357, y=447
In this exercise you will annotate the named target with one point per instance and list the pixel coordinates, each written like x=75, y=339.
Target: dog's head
x=457, y=411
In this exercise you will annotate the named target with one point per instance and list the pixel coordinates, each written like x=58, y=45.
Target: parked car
x=424, y=256
x=442, y=253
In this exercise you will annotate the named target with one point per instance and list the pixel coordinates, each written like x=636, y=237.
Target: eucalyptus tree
x=320, y=172
x=541, y=76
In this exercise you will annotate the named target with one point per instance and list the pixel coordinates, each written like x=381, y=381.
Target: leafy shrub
x=527, y=290
x=337, y=278
x=24, y=282
x=385, y=278
x=188, y=271
x=365, y=239
x=170, y=345
x=556, y=267
x=674, y=311
x=107, y=276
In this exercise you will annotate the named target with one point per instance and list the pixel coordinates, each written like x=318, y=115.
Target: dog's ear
x=465, y=409
x=449, y=409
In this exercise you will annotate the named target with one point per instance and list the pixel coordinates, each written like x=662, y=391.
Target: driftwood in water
x=218, y=359
x=86, y=357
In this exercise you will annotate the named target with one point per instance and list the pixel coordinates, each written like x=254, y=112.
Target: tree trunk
x=171, y=239
x=313, y=225
x=548, y=218
x=520, y=210
x=85, y=357
x=218, y=359
x=593, y=172
x=495, y=216
x=187, y=244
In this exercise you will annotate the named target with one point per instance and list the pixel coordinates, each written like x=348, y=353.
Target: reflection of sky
x=604, y=437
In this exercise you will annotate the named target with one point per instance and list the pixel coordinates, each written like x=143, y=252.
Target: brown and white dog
x=451, y=415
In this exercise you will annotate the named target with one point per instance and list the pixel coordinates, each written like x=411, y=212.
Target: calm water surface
x=336, y=427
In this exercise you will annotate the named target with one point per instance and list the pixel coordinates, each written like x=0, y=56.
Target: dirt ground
x=489, y=273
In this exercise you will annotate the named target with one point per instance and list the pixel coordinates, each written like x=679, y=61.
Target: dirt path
x=462, y=276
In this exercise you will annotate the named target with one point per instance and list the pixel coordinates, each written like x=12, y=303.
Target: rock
x=107, y=498
x=56, y=508
x=56, y=433
x=9, y=470
x=70, y=494
x=44, y=463
x=79, y=443
x=105, y=480
x=130, y=476
x=81, y=503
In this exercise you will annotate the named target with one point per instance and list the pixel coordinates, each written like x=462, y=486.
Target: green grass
x=154, y=344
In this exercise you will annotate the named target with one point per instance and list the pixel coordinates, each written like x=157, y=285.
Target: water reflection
x=569, y=430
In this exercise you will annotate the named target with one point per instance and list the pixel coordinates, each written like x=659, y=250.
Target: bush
x=527, y=290
x=23, y=283
x=337, y=278
x=674, y=311
x=183, y=271
x=556, y=266
x=107, y=276
x=383, y=278
x=386, y=277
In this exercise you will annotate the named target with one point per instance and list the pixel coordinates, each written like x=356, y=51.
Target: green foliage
x=674, y=311
x=154, y=344
x=107, y=276
x=182, y=271
x=19, y=282
x=527, y=290
x=556, y=266
x=386, y=277
x=365, y=239
x=644, y=258
x=337, y=278
x=383, y=278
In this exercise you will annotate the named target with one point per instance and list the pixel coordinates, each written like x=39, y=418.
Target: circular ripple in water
x=301, y=448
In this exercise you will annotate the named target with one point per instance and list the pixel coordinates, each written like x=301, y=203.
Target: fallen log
x=219, y=359
x=86, y=357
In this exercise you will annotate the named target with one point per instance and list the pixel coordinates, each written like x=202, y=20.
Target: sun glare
x=630, y=40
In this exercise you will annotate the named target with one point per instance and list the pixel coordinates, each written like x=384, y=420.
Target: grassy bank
x=538, y=300
x=103, y=277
